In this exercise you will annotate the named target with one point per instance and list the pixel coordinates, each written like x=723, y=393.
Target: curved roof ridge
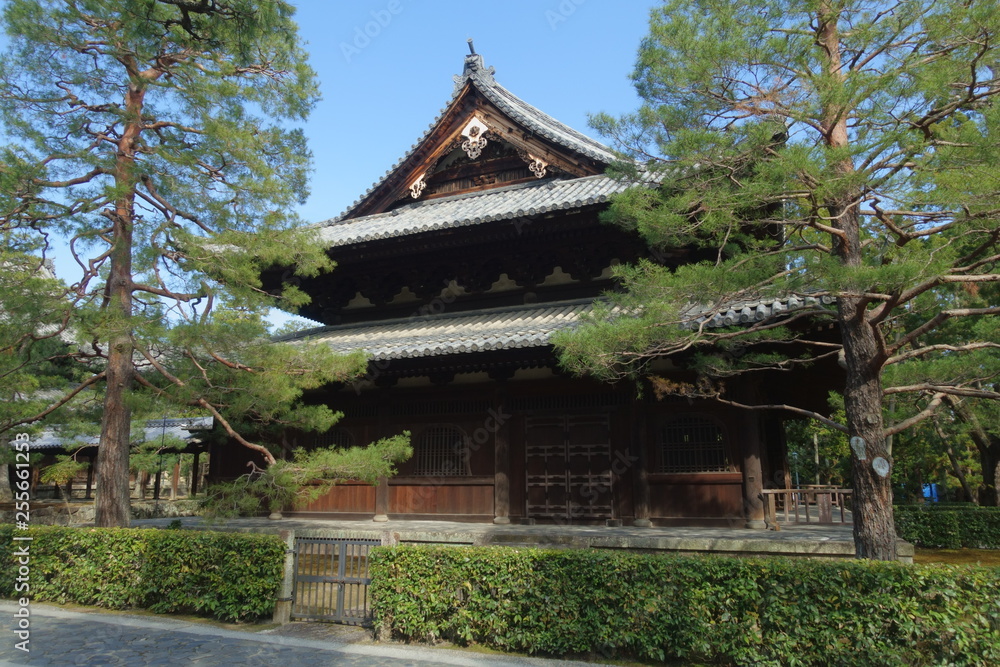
x=538, y=121
x=546, y=126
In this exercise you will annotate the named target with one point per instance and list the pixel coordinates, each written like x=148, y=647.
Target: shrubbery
x=228, y=576
x=714, y=609
x=949, y=526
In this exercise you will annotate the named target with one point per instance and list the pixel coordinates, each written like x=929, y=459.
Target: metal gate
x=331, y=579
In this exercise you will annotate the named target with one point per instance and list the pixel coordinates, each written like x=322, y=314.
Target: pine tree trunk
x=864, y=347
x=988, y=445
x=874, y=529
x=6, y=493
x=112, y=507
x=989, y=457
x=956, y=469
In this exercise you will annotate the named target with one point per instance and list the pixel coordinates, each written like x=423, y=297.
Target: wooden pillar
x=381, y=429
x=517, y=479
x=501, y=452
x=156, y=484
x=753, y=475
x=195, y=472
x=213, y=473
x=90, y=479
x=640, y=473
x=175, y=479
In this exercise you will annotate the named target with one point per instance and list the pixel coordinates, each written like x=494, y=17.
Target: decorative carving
x=484, y=179
x=536, y=165
x=418, y=187
x=474, y=146
x=475, y=138
x=475, y=69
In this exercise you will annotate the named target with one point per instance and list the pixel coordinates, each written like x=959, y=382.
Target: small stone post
x=283, y=605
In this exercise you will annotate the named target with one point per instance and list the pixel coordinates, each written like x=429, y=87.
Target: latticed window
x=443, y=451
x=692, y=443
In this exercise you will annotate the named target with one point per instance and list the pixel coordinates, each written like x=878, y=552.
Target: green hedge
x=949, y=526
x=228, y=576
x=711, y=609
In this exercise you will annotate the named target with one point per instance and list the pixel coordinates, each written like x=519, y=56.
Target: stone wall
x=56, y=513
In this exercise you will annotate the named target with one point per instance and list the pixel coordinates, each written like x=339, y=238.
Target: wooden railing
x=813, y=504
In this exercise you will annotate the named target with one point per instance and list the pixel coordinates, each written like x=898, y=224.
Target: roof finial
x=474, y=69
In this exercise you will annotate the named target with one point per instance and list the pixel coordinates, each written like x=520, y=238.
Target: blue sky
x=566, y=57
x=385, y=69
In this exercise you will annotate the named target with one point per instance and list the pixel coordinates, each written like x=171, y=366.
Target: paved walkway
x=61, y=637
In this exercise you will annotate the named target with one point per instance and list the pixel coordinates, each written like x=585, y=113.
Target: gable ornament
x=475, y=138
x=536, y=165
x=418, y=186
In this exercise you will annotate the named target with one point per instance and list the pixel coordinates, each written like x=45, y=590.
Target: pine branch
x=93, y=379
x=943, y=347
x=944, y=390
x=929, y=411
x=789, y=408
x=937, y=321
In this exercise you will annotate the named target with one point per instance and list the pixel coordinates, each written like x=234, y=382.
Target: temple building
x=453, y=273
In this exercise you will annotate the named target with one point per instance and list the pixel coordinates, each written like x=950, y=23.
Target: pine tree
x=820, y=148
x=159, y=137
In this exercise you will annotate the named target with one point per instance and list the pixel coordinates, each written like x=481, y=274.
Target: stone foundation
x=56, y=513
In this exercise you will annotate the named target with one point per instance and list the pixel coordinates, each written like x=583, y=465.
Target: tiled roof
x=519, y=111
x=504, y=328
x=154, y=430
x=748, y=312
x=451, y=333
x=507, y=203
x=538, y=121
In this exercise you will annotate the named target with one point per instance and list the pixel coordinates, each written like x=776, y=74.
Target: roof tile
x=450, y=333
x=511, y=327
x=473, y=208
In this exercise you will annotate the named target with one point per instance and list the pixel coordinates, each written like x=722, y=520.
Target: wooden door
x=568, y=468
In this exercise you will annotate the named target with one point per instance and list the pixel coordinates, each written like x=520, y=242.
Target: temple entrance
x=568, y=466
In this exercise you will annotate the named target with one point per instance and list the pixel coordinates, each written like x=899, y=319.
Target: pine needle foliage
x=161, y=139
x=817, y=148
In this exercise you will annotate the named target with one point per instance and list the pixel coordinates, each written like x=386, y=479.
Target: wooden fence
x=812, y=504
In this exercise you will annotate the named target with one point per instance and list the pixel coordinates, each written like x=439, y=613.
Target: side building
x=453, y=274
